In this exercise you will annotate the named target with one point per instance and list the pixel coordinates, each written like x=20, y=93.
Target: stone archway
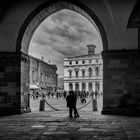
x=45, y=10
x=121, y=66
x=33, y=21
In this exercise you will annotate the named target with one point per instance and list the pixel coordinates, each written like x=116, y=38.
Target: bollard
x=42, y=105
x=94, y=104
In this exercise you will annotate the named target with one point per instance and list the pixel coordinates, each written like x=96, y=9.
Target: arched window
x=97, y=71
x=83, y=62
x=77, y=87
x=70, y=86
x=83, y=87
x=76, y=73
x=97, y=86
x=70, y=62
x=83, y=73
x=90, y=72
x=70, y=74
x=90, y=87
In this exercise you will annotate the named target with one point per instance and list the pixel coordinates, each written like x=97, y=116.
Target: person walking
x=71, y=103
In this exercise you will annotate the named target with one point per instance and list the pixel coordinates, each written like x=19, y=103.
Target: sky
x=63, y=34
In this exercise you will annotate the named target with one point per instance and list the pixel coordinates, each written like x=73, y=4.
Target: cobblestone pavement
x=55, y=125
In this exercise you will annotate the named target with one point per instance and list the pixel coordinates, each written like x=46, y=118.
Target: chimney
x=91, y=49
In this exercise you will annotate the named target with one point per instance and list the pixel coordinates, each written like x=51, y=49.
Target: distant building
x=85, y=72
x=43, y=74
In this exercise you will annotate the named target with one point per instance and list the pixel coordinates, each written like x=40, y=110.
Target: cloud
x=64, y=33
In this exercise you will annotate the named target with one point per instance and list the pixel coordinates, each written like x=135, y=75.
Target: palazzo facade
x=85, y=72
x=43, y=75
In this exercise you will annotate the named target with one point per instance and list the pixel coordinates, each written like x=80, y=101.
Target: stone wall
x=121, y=82
x=9, y=83
x=43, y=74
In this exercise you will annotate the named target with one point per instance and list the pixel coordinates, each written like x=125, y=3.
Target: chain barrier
x=64, y=109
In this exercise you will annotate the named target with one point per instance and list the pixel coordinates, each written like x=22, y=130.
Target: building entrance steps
x=56, y=125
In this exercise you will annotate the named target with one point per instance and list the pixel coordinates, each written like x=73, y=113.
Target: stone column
x=87, y=88
x=66, y=86
x=73, y=86
x=25, y=82
x=93, y=85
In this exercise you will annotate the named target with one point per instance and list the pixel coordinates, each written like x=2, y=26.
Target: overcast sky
x=63, y=34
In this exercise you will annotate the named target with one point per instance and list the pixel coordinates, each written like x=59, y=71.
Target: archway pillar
x=10, y=84
x=121, y=86
x=25, y=83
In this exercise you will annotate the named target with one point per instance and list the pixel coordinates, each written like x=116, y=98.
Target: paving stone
x=39, y=126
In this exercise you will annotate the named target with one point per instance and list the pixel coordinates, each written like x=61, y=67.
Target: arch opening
x=38, y=18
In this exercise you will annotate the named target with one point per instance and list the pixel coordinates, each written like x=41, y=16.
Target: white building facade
x=85, y=72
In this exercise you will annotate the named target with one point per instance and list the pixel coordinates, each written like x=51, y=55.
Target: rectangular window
x=83, y=62
x=76, y=62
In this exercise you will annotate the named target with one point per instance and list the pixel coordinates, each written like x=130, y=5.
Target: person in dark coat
x=71, y=103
